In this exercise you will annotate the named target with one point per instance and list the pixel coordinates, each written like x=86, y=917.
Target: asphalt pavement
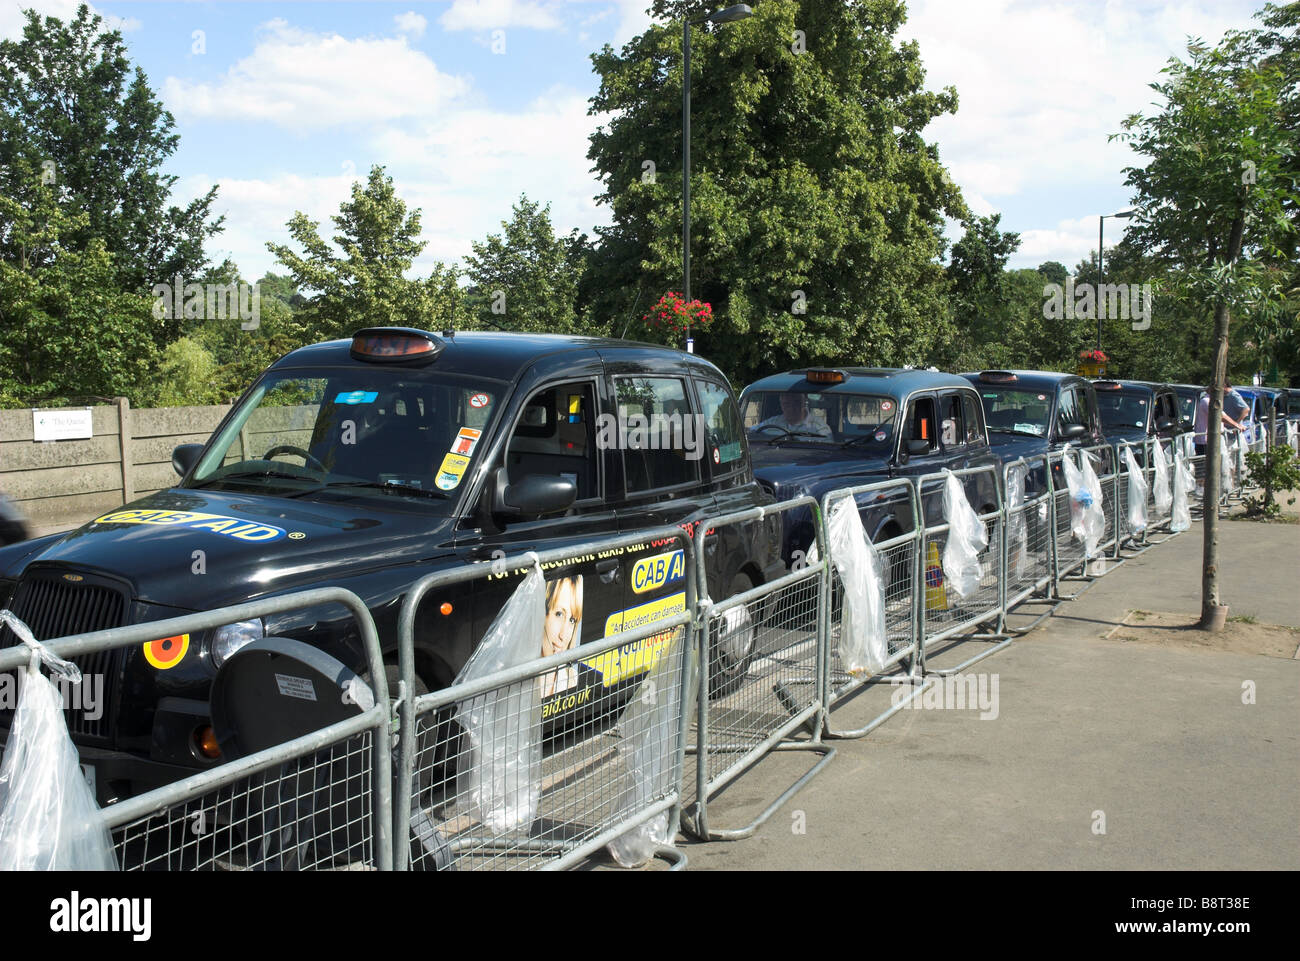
x=1087, y=752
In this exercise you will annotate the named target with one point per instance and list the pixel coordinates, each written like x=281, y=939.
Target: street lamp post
x=737, y=12
x=1101, y=224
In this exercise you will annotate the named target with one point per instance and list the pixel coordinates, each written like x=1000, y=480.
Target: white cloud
x=464, y=170
x=411, y=22
x=491, y=14
x=305, y=81
x=1069, y=242
x=632, y=21
x=12, y=20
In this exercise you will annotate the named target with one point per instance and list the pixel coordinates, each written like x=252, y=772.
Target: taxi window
x=658, y=436
x=556, y=435
x=722, y=420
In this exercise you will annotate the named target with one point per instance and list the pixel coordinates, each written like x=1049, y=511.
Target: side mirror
x=185, y=457
x=533, y=495
x=1073, y=431
x=917, y=448
x=1164, y=424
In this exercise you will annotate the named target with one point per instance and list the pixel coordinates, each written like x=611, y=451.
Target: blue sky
x=282, y=105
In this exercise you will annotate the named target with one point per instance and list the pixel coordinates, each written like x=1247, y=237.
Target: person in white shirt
x=796, y=418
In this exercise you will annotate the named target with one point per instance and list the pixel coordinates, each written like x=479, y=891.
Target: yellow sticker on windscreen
x=452, y=470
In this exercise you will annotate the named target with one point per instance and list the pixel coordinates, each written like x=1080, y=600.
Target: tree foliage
x=526, y=277
x=364, y=283
x=72, y=109
x=817, y=205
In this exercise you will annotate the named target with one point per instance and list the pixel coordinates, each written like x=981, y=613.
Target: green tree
x=66, y=328
x=367, y=286
x=817, y=205
x=1053, y=271
x=72, y=110
x=526, y=278
x=986, y=322
x=1214, y=199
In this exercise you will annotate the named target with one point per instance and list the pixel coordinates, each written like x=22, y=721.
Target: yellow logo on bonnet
x=214, y=523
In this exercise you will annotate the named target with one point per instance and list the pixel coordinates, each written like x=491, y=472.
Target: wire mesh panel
x=779, y=682
x=945, y=611
x=319, y=800
x=1028, y=532
x=889, y=510
x=781, y=687
x=479, y=804
x=545, y=760
x=313, y=812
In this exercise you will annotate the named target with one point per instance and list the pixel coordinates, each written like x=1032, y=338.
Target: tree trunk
x=1212, y=614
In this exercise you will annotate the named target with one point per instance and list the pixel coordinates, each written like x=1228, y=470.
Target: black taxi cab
x=368, y=463
x=815, y=430
x=1136, y=411
x=1035, y=412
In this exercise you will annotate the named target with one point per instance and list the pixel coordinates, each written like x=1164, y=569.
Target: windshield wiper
x=387, y=488
x=249, y=474
x=859, y=439
x=786, y=434
x=1012, y=430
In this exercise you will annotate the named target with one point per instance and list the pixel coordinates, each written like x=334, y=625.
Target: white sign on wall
x=62, y=424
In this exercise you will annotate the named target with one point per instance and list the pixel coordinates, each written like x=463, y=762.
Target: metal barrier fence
x=781, y=689
x=943, y=614
x=321, y=800
x=892, y=508
x=719, y=678
x=531, y=766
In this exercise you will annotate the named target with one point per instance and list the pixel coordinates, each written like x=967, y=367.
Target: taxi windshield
x=819, y=418
x=1016, y=411
x=1126, y=409
x=353, y=432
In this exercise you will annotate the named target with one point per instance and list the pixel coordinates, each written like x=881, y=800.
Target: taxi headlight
x=230, y=638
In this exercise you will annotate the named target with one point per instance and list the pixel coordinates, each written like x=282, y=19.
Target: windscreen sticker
x=731, y=452
x=452, y=470
x=357, y=397
x=887, y=405
x=166, y=652
x=466, y=440
x=480, y=400
x=213, y=523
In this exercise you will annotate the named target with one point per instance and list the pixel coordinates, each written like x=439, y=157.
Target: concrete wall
x=60, y=484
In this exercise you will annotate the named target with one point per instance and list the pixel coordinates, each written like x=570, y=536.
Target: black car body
x=875, y=424
x=1189, y=395
x=13, y=527
x=1136, y=411
x=1034, y=412
x=418, y=452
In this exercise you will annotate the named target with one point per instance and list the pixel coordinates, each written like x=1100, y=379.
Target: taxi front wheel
x=733, y=640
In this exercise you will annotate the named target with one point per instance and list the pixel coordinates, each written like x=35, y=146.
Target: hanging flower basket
x=670, y=315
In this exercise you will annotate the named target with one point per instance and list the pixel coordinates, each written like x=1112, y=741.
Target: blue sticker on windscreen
x=357, y=397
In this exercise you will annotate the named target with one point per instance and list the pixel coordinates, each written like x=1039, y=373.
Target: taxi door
x=553, y=432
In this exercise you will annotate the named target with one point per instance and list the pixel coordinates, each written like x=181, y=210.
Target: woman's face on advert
x=561, y=620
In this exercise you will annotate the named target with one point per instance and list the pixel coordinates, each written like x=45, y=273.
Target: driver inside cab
x=796, y=417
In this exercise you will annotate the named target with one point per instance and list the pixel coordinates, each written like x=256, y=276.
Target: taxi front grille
x=53, y=606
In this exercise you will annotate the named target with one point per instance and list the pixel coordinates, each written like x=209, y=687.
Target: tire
x=732, y=650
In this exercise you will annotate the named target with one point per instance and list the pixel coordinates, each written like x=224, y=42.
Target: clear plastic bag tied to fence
x=1242, y=448
x=501, y=775
x=1160, y=481
x=966, y=539
x=1137, y=493
x=1293, y=436
x=49, y=820
x=863, y=643
x=647, y=746
x=1228, y=462
x=1017, y=532
x=1184, y=483
x=1087, y=521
